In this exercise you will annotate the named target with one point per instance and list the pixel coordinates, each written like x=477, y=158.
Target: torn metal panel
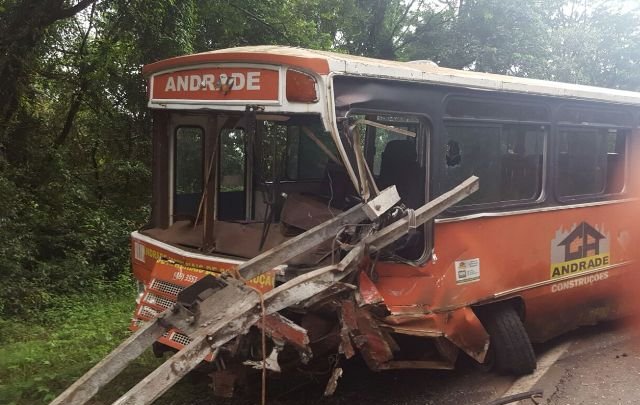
x=347, y=323
x=282, y=330
x=368, y=290
x=372, y=343
x=270, y=362
x=239, y=317
x=464, y=329
x=461, y=326
x=415, y=324
x=346, y=348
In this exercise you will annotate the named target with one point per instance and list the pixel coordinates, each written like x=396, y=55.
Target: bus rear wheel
x=510, y=348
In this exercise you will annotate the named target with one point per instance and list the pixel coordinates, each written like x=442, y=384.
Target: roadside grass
x=41, y=356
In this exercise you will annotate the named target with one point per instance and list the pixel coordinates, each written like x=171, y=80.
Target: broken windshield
x=256, y=172
x=251, y=181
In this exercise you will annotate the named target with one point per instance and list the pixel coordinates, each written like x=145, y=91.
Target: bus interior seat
x=399, y=166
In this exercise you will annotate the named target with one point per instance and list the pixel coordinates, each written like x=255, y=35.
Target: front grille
x=162, y=302
x=147, y=312
x=172, y=338
x=180, y=338
x=165, y=287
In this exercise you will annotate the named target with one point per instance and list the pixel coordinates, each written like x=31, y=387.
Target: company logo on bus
x=579, y=249
x=243, y=84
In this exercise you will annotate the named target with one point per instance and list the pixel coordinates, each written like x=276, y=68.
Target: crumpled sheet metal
x=460, y=326
x=364, y=331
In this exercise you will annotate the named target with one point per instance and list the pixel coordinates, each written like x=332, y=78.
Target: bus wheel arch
x=510, y=350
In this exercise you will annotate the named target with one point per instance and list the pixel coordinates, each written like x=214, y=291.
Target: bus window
x=590, y=161
x=393, y=149
x=232, y=180
x=508, y=159
x=188, y=173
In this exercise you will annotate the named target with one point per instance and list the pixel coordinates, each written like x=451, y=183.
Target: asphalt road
x=600, y=367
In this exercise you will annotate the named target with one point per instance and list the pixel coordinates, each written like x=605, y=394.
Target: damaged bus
x=255, y=145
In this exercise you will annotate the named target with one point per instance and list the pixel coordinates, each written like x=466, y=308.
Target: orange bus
x=254, y=145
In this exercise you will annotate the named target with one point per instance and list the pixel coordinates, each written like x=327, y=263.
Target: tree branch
x=63, y=13
x=263, y=22
x=402, y=18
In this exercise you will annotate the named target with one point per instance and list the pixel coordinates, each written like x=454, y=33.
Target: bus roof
x=323, y=63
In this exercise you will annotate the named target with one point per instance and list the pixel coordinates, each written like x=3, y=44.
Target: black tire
x=510, y=348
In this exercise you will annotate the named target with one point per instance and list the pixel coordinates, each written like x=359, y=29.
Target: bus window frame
x=425, y=131
x=501, y=98
x=592, y=197
x=498, y=205
x=532, y=101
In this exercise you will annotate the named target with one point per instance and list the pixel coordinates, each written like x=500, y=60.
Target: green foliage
x=41, y=356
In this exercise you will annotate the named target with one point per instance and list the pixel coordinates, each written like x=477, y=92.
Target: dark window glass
x=508, y=159
x=590, y=161
x=188, y=169
x=594, y=116
x=497, y=110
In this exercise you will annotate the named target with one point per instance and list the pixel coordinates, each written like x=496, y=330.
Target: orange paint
x=165, y=273
x=317, y=65
x=157, y=259
x=217, y=84
x=518, y=255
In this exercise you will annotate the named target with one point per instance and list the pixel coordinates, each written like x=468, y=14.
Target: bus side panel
x=569, y=265
x=585, y=300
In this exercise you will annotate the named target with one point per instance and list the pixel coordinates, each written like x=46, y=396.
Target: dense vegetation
x=74, y=126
